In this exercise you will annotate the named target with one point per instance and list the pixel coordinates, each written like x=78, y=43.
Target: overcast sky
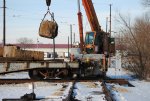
x=24, y=17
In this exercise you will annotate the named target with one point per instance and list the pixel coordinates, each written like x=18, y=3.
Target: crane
x=96, y=41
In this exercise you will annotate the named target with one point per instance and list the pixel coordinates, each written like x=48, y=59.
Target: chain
x=51, y=14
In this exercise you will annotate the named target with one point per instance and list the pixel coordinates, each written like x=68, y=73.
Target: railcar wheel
x=38, y=74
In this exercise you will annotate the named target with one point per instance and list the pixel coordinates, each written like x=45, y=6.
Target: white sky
x=24, y=17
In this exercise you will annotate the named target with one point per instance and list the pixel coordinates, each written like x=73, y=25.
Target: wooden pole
x=4, y=22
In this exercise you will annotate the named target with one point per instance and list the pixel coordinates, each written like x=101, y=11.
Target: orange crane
x=96, y=41
x=80, y=27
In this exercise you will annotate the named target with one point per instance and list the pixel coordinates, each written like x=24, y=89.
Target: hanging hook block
x=48, y=2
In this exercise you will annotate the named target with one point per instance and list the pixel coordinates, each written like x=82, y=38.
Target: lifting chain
x=48, y=2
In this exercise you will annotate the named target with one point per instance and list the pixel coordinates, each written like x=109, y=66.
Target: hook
x=48, y=2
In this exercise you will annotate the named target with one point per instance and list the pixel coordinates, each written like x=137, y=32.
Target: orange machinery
x=96, y=41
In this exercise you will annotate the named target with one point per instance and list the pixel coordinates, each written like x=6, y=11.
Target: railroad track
x=18, y=81
x=100, y=82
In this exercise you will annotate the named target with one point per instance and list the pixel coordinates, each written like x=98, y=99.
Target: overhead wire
x=33, y=13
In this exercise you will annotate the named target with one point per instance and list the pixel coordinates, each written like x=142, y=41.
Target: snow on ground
x=88, y=91
x=20, y=75
x=49, y=91
x=141, y=91
x=119, y=73
x=82, y=90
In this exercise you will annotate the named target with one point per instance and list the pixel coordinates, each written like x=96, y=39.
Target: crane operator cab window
x=89, y=42
x=89, y=37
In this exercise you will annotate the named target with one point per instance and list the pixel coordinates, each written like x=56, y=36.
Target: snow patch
x=92, y=91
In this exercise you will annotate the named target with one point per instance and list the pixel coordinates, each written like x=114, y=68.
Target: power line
x=101, y=4
x=33, y=13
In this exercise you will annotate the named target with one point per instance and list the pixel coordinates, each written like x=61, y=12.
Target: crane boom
x=80, y=27
x=93, y=39
x=91, y=15
x=96, y=41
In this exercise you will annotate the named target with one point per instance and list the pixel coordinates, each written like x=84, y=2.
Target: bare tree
x=25, y=42
x=146, y=3
x=136, y=37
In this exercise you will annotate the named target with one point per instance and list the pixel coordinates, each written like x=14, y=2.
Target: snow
x=53, y=91
x=20, y=75
x=117, y=73
x=140, y=92
x=84, y=91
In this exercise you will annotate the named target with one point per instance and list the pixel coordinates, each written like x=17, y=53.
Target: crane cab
x=89, y=42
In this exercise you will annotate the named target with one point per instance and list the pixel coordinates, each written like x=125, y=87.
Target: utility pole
x=74, y=38
x=68, y=46
x=4, y=22
x=71, y=35
x=54, y=51
x=110, y=20
x=106, y=24
x=37, y=43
